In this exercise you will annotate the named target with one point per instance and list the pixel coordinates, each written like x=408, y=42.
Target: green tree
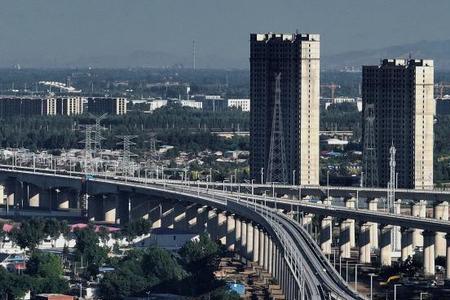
x=129, y=279
x=200, y=259
x=53, y=228
x=13, y=286
x=161, y=264
x=44, y=265
x=29, y=234
x=87, y=248
x=46, y=271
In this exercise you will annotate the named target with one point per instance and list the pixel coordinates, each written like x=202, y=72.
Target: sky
x=65, y=31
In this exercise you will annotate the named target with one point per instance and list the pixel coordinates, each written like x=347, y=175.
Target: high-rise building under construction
x=398, y=110
x=284, y=115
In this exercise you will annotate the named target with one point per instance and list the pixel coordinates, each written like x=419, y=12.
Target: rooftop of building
x=401, y=62
x=260, y=37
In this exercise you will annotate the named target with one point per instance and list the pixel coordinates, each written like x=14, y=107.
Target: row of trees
x=33, y=231
x=173, y=125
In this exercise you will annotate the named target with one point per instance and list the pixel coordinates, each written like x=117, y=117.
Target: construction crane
x=441, y=88
x=332, y=86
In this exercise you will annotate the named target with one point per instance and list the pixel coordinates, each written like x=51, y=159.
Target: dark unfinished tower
x=398, y=110
x=295, y=60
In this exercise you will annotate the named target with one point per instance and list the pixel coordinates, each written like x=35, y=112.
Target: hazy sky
x=66, y=30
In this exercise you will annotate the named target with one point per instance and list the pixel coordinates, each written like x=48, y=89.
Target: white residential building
x=243, y=104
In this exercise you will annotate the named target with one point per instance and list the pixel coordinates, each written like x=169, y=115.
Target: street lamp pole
x=395, y=290
x=346, y=271
x=362, y=180
x=262, y=175
x=371, y=285
x=293, y=177
x=328, y=183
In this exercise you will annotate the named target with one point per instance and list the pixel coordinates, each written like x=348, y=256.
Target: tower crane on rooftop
x=332, y=86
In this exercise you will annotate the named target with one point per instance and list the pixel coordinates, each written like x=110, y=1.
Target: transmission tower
x=153, y=154
x=125, y=161
x=98, y=132
x=276, y=170
x=370, y=167
x=88, y=167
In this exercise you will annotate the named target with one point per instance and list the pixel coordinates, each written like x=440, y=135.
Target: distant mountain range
x=439, y=51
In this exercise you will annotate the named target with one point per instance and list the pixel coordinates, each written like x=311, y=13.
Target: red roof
x=7, y=227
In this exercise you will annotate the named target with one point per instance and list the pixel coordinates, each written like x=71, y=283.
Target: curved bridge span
x=261, y=234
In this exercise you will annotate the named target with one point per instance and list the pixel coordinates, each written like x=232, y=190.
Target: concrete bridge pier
x=373, y=205
x=167, y=212
x=266, y=251
x=221, y=227
x=326, y=235
x=238, y=236
x=13, y=193
x=250, y=239
x=261, y=248
x=364, y=244
x=256, y=248
x=282, y=279
x=441, y=213
x=419, y=209
x=47, y=197
x=447, y=269
x=351, y=203
x=385, y=246
x=191, y=216
x=180, y=220
x=202, y=218
x=396, y=233
x=141, y=208
x=66, y=198
x=406, y=240
x=243, y=251
x=32, y=193
x=94, y=205
x=2, y=194
x=428, y=253
x=344, y=239
x=231, y=232
x=276, y=259
x=123, y=208
x=156, y=211
x=110, y=203
x=270, y=256
x=211, y=223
